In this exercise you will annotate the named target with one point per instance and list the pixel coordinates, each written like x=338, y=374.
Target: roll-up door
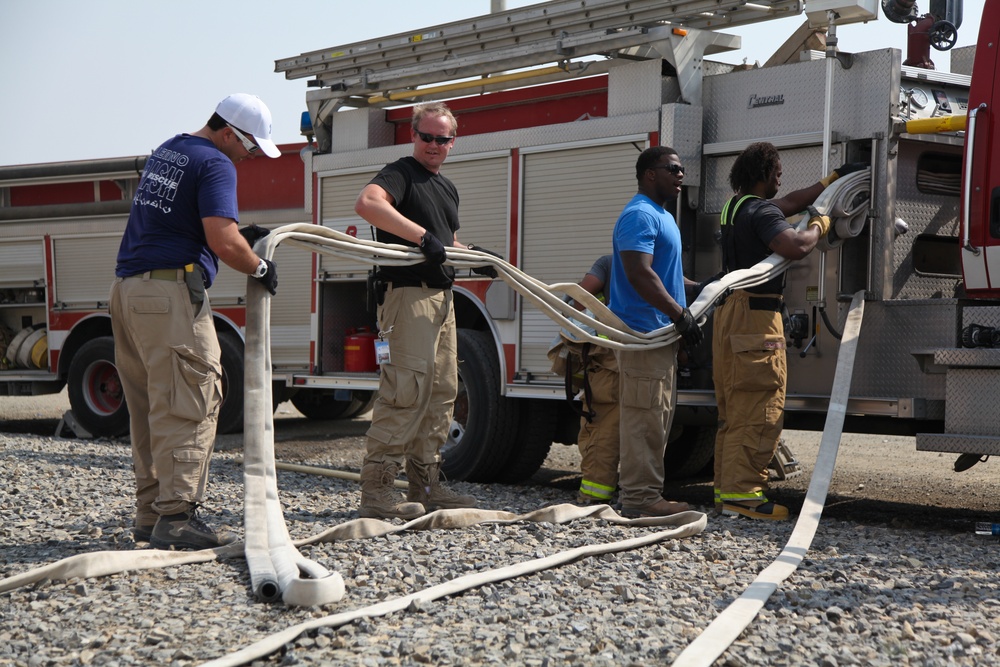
x=337, y=196
x=22, y=263
x=482, y=191
x=572, y=199
x=290, y=307
x=84, y=269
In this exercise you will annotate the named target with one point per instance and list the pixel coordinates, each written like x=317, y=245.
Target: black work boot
x=426, y=488
x=187, y=531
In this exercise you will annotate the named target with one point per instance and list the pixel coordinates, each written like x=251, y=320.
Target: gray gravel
x=867, y=593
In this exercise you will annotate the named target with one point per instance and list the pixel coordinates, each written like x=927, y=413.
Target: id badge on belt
x=382, y=347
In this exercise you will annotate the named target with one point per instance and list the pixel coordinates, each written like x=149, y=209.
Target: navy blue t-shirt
x=186, y=179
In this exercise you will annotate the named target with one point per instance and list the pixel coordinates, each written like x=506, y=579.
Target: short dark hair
x=754, y=165
x=216, y=122
x=649, y=158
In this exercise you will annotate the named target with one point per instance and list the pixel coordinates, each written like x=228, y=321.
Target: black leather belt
x=768, y=303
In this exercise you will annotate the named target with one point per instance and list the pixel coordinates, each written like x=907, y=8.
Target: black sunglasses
x=673, y=168
x=428, y=138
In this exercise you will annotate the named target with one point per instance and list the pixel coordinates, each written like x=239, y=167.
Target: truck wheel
x=95, y=391
x=690, y=452
x=536, y=431
x=320, y=405
x=484, y=423
x=231, y=409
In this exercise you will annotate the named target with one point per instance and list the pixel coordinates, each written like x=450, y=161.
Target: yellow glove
x=842, y=170
x=817, y=220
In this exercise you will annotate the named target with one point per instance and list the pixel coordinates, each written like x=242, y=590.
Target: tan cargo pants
x=748, y=368
x=416, y=395
x=648, y=393
x=167, y=355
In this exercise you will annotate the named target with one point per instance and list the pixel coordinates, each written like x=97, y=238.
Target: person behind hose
x=647, y=293
x=183, y=220
x=411, y=203
x=598, y=436
x=748, y=346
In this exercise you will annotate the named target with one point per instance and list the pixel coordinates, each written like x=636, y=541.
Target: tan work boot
x=426, y=488
x=378, y=499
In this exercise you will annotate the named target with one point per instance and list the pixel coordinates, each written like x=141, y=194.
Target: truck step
x=958, y=443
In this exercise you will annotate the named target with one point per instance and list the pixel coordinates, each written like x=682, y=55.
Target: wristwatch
x=261, y=270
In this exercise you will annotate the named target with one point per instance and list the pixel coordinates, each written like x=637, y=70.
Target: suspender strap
x=728, y=231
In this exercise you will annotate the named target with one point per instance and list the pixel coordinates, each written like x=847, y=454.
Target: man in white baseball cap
x=184, y=220
x=247, y=115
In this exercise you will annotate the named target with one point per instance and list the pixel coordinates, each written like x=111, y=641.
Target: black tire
x=95, y=390
x=322, y=405
x=484, y=423
x=231, y=409
x=536, y=431
x=690, y=452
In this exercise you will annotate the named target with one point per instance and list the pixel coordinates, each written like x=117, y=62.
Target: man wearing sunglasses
x=183, y=220
x=647, y=293
x=411, y=203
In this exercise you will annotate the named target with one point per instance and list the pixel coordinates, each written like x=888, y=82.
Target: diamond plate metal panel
x=925, y=213
x=681, y=130
x=970, y=358
x=789, y=99
x=358, y=129
x=632, y=87
x=958, y=444
x=971, y=406
x=987, y=316
x=884, y=365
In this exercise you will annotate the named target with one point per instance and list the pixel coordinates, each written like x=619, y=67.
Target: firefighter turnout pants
x=748, y=358
x=416, y=395
x=168, y=359
x=598, y=439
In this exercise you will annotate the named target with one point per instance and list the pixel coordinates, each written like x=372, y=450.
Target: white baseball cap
x=248, y=113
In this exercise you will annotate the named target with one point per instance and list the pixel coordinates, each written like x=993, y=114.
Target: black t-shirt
x=756, y=224
x=430, y=200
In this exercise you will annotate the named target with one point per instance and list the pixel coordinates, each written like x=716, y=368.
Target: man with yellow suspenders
x=748, y=345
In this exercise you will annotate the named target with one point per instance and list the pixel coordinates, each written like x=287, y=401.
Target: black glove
x=694, y=291
x=485, y=270
x=689, y=329
x=253, y=233
x=270, y=278
x=432, y=249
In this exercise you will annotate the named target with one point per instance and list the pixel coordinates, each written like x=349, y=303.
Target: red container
x=359, y=351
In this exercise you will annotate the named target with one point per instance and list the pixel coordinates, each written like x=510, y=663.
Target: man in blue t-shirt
x=183, y=220
x=647, y=293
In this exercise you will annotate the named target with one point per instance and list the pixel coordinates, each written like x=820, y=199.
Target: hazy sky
x=86, y=79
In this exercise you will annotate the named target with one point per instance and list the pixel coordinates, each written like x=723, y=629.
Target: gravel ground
x=895, y=575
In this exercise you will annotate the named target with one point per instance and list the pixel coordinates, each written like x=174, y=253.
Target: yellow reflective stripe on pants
x=595, y=490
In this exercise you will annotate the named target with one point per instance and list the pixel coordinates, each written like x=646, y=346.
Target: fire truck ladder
x=550, y=41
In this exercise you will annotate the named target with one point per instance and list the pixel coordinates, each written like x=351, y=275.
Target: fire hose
x=276, y=567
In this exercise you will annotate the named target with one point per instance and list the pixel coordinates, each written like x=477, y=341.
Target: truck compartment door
x=980, y=230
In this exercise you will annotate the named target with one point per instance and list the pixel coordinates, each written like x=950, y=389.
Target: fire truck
x=554, y=102
x=61, y=226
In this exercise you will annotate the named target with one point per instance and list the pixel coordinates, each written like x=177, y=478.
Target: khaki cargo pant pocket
x=401, y=380
x=759, y=361
x=642, y=388
x=195, y=384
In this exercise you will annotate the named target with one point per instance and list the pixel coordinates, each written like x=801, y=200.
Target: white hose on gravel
x=277, y=569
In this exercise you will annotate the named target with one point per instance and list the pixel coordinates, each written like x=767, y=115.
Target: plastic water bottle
x=986, y=528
